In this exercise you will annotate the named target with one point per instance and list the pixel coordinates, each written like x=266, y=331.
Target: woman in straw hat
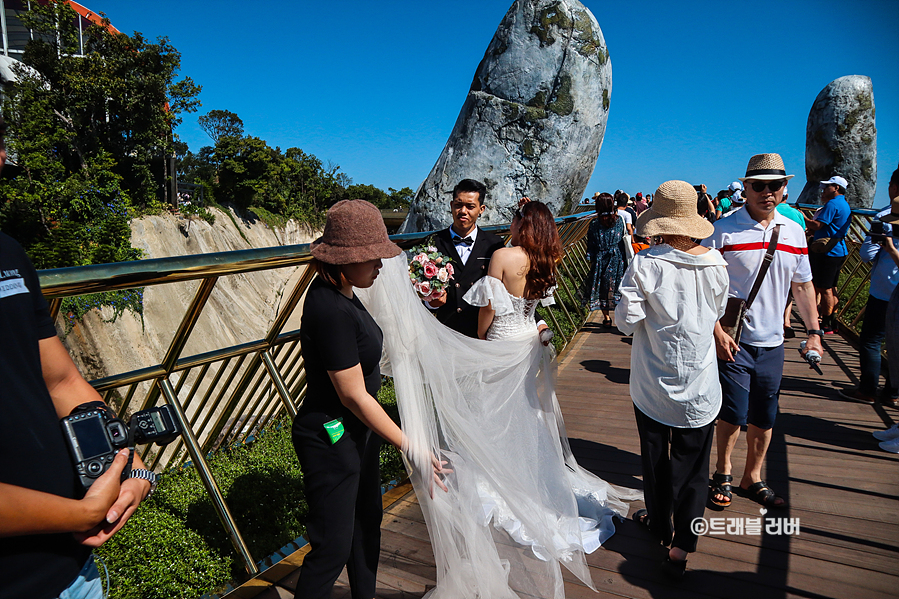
x=671, y=297
x=600, y=290
x=338, y=430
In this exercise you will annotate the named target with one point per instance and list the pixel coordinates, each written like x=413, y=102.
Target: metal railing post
x=279, y=383
x=215, y=494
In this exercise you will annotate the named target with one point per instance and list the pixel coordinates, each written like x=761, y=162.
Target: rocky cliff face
x=241, y=307
x=841, y=139
x=534, y=118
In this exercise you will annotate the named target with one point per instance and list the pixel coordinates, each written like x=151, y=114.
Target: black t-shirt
x=32, y=451
x=337, y=333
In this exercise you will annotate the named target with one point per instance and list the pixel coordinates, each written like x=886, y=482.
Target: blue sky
x=375, y=87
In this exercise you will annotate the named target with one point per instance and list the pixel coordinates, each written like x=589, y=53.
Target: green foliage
x=155, y=556
x=75, y=307
x=221, y=123
x=394, y=200
x=175, y=546
x=87, y=132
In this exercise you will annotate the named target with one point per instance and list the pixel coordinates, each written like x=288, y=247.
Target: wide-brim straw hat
x=766, y=167
x=673, y=212
x=354, y=232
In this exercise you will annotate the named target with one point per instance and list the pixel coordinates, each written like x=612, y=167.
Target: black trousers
x=675, y=477
x=343, y=490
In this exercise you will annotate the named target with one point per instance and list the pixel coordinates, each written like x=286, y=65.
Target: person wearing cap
x=831, y=222
x=470, y=249
x=751, y=372
x=671, y=297
x=641, y=204
x=731, y=201
x=878, y=249
x=338, y=429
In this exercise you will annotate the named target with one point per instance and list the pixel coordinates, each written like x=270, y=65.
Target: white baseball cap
x=735, y=186
x=836, y=181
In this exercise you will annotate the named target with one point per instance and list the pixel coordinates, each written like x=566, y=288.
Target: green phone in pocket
x=334, y=429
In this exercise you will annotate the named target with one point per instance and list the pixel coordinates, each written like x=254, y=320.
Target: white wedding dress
x=518, y=504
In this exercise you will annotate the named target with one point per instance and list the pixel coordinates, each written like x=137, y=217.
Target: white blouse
x=670, y=301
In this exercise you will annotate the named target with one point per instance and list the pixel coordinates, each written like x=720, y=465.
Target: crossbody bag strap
x=766, y=264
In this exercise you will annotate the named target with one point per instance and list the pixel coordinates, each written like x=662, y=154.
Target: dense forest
x=91, y=138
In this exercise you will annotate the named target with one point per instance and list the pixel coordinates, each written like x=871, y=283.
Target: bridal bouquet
x=430, y=271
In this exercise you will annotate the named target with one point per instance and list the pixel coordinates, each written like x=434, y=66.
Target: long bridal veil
x=518, y=504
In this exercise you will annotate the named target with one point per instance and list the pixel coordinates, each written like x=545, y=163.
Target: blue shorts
x=87, y=585
x=750, y=386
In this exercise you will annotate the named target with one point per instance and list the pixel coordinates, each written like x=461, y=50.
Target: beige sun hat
x=673, y=212
x=354, y=232
x=766, y=167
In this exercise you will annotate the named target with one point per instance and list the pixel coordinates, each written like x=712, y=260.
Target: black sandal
x=721, y=485
x=762, y=494
x=674, y=569
x=641, y=517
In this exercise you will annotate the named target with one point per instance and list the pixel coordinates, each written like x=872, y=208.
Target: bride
x=518, y=505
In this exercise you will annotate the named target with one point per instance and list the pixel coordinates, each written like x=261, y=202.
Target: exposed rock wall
x=841, y=139
x=241, y=307
x=534, y=118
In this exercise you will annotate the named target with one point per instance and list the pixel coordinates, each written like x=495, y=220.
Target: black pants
x=343, y=490
x=675, y=477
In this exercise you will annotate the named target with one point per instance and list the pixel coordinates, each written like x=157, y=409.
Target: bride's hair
x=539, y=238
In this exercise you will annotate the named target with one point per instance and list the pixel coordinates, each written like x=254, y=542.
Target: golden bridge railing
x=227, y=395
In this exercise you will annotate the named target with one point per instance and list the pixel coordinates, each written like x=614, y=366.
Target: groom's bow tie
x=463, y=241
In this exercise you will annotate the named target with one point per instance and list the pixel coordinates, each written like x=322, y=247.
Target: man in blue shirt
x=884, y=277
x=831, y=222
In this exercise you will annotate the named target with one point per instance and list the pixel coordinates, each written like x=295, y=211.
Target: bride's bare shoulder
x=509, y=255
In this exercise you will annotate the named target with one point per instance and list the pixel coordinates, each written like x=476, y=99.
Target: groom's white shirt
x=463, y=249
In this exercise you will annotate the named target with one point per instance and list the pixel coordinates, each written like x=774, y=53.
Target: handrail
x=227, y=395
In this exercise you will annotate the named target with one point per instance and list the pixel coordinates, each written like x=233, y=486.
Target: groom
x=470, y=249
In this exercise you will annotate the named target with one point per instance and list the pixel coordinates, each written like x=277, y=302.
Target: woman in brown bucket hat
x=671, y=297
x=338, y=430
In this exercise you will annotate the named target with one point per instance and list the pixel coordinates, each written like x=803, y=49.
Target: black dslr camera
x=94, y=434
x=878, y=233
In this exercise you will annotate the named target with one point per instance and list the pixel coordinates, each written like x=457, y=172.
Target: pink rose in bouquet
x=430, y=272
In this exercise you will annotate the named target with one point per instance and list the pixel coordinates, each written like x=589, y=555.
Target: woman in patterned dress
x=606, y=262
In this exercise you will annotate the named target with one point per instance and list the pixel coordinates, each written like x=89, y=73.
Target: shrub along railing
x=227, y=396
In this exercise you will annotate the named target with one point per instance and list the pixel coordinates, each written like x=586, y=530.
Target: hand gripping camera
x=94, y=434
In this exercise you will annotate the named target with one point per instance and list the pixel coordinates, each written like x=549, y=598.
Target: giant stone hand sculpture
x=841, y=139
x=534, y=118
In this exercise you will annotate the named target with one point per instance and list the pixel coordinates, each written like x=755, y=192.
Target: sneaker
x=891, y=446
x=887, y=435
x=856, y=395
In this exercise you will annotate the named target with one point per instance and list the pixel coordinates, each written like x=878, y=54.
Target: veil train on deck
x=518, y=505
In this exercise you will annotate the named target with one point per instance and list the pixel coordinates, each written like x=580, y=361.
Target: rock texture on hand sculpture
x=841, y=139
x=534, y=119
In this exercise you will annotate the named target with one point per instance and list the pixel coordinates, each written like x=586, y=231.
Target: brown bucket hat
x=354, y=232
x=673, y=212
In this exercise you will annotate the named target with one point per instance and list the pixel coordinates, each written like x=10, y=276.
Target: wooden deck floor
x=842, y=488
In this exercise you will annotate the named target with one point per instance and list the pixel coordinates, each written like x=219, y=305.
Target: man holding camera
x=876, y=249
x=48, y=525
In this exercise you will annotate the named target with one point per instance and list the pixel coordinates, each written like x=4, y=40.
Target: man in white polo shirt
x=751, y=372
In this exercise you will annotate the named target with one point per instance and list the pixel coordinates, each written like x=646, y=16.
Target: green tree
x=219, y=123
x=88, y=135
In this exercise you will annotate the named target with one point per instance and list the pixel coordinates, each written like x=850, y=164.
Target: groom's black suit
x=456, y=313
